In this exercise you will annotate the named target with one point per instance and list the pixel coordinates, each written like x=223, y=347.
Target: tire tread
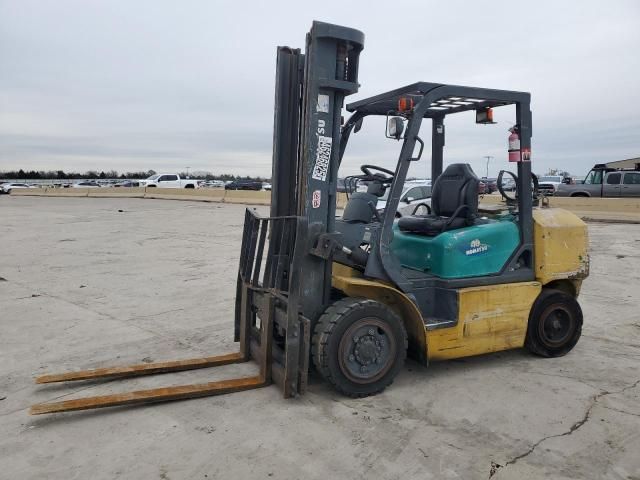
x=531, y=342
x=323, y=330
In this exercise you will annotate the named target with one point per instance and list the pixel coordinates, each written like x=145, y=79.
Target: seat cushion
x=430, y=225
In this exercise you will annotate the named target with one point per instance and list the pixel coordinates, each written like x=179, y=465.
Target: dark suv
x=243, y=185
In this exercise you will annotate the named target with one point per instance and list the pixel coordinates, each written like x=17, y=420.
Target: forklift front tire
x=359, y=346
x=555, y=324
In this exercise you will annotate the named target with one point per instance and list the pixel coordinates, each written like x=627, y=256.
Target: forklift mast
x=282, y=288
x=310, y=92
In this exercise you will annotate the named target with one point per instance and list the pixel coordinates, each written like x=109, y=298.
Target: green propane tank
x=465, y=252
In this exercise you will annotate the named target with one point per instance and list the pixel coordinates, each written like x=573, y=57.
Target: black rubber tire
x=334, y=323
x=566, y=310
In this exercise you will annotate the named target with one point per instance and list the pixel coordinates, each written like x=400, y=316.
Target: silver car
x=7, y=187
x=413, y=195
x=87, y=184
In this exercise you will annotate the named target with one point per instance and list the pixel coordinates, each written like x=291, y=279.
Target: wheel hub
x=366, y=350
x=556, y=325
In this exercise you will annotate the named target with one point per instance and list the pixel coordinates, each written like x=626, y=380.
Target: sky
x=165, y=85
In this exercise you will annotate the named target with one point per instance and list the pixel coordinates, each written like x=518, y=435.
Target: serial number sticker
x=323, y=103
x=526, y=155
x=323, y=157
x=315, y=201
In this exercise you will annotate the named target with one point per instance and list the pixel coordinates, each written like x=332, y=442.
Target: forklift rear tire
x=359, y=346
x=555, y=324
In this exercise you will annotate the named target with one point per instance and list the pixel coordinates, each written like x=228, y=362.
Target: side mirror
x=408, y=199
x=395, y=127
x=358, y=126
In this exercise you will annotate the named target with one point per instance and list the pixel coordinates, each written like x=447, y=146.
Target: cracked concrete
x=572, y=428
x=157, y=281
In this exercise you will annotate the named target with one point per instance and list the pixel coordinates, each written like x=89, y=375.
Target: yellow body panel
x=561, y=246
x=352, y=283
x=493, y=317
x=490, y=319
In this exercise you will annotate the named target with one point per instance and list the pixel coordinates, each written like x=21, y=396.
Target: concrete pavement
x=88, y=282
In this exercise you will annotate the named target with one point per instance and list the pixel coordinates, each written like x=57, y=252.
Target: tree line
x=111, y=174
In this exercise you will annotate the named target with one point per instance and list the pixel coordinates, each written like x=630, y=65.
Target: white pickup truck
x=169, y=180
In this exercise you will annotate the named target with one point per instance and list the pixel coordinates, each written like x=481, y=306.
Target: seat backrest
x=457, y=186
x=359, y=207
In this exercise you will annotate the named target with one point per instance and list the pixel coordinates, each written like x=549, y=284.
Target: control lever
x=376, y=215
x=358, y=255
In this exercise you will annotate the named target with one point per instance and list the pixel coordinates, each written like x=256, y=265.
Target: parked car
x=549, y=184
x=7, y=187
x=482, y=188
x=213, y=184
x=169, y=180
x=243, y=185
x=413, y=194
x=128, y=183
x=508, y=184
x=491, y=184
x=266, y=186
x=86, y=184
x=602, y=181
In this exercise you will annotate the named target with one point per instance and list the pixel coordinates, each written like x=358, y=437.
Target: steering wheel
x=366, y=169
x=501, y=189
x=513, y=199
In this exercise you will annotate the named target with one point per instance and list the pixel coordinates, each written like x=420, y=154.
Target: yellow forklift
x=353, y=294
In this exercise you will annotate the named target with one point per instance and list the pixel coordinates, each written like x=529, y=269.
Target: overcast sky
x=138, y=85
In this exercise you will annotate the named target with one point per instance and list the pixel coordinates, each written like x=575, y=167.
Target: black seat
x=454, y=203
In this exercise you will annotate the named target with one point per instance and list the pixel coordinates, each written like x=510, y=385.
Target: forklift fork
x=268, y=325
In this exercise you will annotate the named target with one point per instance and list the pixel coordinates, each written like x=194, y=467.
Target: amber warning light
x=405, y=104
x=484, y=116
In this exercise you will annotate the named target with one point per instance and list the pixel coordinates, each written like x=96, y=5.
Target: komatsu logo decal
x=476, y=247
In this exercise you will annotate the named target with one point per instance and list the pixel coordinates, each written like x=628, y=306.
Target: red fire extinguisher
x=514, y=144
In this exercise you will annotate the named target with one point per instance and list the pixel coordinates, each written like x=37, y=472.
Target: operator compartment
x=465, y=252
